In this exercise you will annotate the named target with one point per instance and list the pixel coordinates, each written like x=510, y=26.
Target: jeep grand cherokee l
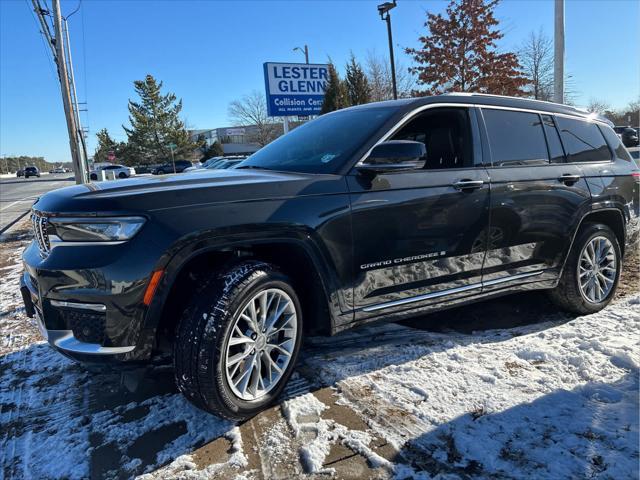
x=376, y=212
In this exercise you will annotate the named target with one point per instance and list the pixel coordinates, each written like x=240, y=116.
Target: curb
x=13, y=222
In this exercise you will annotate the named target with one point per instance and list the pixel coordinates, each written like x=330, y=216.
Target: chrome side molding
x=450, y=291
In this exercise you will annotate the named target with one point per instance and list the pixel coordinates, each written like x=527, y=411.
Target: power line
x=47, y=52
x=77, y=8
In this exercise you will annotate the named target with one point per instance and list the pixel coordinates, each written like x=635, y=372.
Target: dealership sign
x=295, y=88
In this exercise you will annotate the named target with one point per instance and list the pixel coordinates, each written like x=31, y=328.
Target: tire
x=122, y=175
x=93, y=176
x=160, y=172
x=569, y=295
x=202, y=348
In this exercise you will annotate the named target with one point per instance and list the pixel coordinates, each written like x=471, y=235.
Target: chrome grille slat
x=39, y=223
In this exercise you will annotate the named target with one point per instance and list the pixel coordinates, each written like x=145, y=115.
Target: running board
x=443, y=293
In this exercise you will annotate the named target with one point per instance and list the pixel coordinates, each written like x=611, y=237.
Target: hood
x=141, y=194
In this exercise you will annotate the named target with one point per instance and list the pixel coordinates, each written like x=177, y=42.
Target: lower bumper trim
x=96, y=307
x=65, y=341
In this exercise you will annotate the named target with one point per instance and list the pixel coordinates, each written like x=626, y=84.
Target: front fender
x=187, y=248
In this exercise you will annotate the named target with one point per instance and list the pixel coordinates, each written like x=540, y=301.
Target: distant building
x=234, y=140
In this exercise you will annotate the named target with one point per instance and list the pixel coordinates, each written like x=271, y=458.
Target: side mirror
x=395, y=156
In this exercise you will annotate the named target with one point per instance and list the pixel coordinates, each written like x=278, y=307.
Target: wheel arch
x=612, y=217
x=295, y=257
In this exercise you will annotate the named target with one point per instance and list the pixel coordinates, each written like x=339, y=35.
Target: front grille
x=39, y=223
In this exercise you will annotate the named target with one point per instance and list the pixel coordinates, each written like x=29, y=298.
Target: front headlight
x=106, y=229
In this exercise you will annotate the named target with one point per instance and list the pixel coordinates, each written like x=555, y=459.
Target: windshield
x=323, y=145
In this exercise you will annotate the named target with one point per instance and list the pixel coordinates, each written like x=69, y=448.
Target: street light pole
x=558, y=53
x=173, y=161
x=384, y=11
x=304, y=50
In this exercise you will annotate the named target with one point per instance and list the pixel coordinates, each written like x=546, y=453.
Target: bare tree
x=251, y=110
x=378, y=74
x=597, y=105
x=536, y=59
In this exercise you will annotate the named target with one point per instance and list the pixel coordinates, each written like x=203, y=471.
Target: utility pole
x=384, y=11
x=558, y=53
x=57, y=45
x=74, y=98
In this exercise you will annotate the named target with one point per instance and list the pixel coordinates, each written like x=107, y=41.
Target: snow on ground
x=551, y=397
x=50, y=404
x=545, y=401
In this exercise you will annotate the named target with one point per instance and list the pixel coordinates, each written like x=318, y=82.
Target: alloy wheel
x=261, y=343
x=597, y=269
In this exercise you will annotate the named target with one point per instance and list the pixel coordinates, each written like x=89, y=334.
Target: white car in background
x=120, y=171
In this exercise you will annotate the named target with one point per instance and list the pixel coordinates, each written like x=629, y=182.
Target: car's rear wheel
x=238, y=340
x=592, y=270
x=122, y=175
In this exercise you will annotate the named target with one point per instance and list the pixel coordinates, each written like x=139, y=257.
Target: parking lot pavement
x=509, y=388
x=18, y=194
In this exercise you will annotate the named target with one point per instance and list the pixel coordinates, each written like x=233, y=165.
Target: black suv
x=628, y=135
x=376, y=212
x=180, y=166
x=31, y=172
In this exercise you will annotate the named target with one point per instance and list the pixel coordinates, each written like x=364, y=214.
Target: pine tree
x=106, y=146
x=335, y=96
x=356, y=83
x=155, y=125
x=460, y=55
x=213, y=150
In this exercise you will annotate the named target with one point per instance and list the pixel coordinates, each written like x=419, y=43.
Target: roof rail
x=480, y=94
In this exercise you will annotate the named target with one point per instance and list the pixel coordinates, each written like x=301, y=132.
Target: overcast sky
x=210, y=53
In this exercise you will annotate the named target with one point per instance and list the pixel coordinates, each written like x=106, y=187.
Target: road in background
x=18, y=194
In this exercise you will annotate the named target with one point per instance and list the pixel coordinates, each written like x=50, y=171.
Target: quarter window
x=515, y=138
x=615, y=143
x=583, y=141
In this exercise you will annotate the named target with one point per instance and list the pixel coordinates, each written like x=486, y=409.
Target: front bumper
x=65, y=340
x=87, y=310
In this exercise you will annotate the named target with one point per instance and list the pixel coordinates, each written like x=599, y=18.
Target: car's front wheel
x=591, y=272
x=238, y=340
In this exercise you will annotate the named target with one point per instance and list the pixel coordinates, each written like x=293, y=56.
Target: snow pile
x=185, y=468
x=547, y=401
x=317, y=435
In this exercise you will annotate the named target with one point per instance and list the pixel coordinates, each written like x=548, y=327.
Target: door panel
x=415, y=233
x=420, y=233
x=532, y=220
x=537, y=199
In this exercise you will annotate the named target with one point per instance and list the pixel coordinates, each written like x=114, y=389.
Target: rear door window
x=553, y=139
x=515, y=138
x=583, y=141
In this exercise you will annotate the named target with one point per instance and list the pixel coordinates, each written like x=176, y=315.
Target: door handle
x=569, y=178
x=468, y=184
